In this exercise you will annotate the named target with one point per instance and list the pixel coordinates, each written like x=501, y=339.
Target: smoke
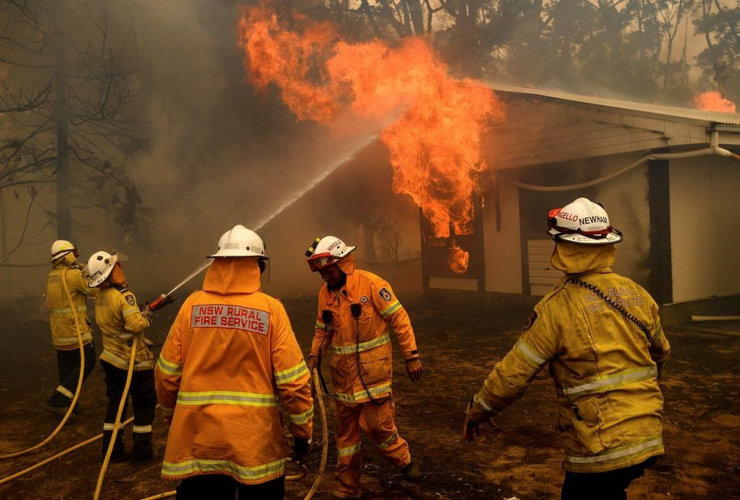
x=217, y=154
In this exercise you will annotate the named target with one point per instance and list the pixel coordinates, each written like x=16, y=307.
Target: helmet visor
x=321, y=261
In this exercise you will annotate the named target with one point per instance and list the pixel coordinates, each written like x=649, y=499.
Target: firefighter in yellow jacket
x=63, y=325
x=229, y=355
x=357, y=311
x=119, y=318
x=600, y=335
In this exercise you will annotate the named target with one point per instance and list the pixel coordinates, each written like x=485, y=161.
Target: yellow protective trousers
x=377, y=422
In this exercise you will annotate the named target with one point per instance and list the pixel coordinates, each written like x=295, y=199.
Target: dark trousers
x=68, y=363
x=144, y=399
x=218, y=487
x=610, y=485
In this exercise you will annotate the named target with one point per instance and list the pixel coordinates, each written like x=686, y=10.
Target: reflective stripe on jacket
x=119, y=318
x=604, y=369
x=229, y=357
x=61, y=315
x=380, y=312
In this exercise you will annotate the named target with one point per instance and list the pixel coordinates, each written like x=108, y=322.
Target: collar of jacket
x=65, y=261
x=578, y=259
x=347, y=264
x=233, y=275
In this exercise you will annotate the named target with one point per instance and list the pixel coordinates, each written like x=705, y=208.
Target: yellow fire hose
x=324, y=435
x=296, y=477
x=79, y=381
x=121, y=405
x=58, y=455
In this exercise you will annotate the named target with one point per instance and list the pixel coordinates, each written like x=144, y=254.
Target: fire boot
x=119, y=452
x=60, y=410
x=143, y=449
x=411, y=472
x=59, y=402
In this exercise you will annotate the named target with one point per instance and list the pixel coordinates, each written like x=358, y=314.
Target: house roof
x=694, y=116
x=551, y=126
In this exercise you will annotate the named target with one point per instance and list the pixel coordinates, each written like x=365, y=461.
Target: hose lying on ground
x=58, y=455
x=79, y=381
x=297, y=477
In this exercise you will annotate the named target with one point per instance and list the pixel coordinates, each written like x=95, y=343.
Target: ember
x=434, y=144
x=714, y=101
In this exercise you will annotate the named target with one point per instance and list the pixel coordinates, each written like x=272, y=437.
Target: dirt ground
x=520, y=458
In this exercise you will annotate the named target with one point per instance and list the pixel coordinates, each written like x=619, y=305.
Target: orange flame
x=458, y=259
x=714, y=101
x=435, y=144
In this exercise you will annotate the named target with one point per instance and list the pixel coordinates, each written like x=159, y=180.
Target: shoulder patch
x=385, y=294
x=529, y=321
x=130, y=299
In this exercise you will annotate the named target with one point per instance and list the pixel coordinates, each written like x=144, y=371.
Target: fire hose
x=159, y=303
x=296, y=477
x=77, y=391
x=58, y=455
x=121, y=405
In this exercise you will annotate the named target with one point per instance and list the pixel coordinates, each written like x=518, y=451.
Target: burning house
x=667, y=177
x=485, y=163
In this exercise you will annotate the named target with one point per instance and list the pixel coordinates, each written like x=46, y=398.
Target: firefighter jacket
x=119, y=318
x=61, y=314
x=361, y=365
x=229, y=355
x=604, y=368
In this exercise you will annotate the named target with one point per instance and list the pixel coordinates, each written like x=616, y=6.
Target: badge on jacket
x=530, y=321
x=130, y=299
x=385, y=294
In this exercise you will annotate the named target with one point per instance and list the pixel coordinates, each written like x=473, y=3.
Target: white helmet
x=582, y=222
x=326, y=251
x=60, y=248
x=99, y=267
x=240, y=242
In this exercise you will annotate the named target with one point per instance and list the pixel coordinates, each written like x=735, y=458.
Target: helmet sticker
x=385, y=294
x=529, y=321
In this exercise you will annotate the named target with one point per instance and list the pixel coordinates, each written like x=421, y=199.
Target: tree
x=720, y=61
x=73, y=111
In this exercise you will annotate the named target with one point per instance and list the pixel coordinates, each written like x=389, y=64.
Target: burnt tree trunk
x=61, y=115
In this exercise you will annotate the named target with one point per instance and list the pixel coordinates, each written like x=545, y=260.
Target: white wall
x=503, y=253
x=705, y=232
x=625, y=199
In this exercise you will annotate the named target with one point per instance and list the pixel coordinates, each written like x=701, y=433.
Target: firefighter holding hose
x=119, y=318
x=63, y=326
x=357, y=310
x=600, y=334
x=228, y=356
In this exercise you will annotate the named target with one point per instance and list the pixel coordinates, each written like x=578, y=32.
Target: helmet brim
x=237, y=254
x=61, y=254
x=581, y=239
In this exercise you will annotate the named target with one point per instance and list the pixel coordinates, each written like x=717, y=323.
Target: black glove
x=300, y=449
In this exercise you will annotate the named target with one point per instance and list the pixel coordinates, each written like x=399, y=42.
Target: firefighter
x=229, y=354
x=356, y=312
x=600, y=334
x=63, y=325
x=119, y=318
